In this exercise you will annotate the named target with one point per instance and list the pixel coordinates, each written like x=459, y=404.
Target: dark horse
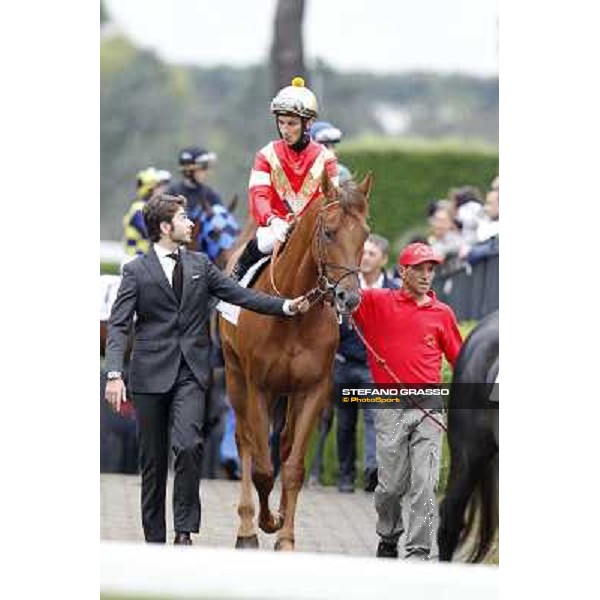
x=473, y=440
x=268, y=357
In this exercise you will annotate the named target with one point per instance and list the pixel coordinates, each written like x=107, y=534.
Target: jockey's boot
x=250, y=256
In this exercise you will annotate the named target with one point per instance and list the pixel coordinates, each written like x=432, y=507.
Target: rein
x=324, y=285
x=381, y=362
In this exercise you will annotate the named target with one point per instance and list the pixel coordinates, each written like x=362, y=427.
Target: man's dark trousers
x=353, y=373
x=179, y=415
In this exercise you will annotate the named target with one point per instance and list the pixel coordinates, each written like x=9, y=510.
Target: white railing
x=148, y=570
x=111, y=251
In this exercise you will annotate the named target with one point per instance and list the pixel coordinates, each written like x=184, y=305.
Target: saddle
x=231, y=312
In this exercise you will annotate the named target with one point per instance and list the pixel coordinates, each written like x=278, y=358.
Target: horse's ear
x=366, y=185
x=330, y=190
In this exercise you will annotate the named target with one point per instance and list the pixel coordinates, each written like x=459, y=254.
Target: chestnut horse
x=267, y=357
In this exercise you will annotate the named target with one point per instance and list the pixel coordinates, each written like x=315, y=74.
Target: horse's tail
x=482, y=514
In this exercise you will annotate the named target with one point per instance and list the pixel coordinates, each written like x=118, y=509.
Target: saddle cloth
x=231, y=312
x=109, y=286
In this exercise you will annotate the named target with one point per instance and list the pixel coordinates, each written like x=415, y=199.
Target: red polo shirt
x=409, y=337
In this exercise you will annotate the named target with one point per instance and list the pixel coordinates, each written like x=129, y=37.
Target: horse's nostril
x=352, y=301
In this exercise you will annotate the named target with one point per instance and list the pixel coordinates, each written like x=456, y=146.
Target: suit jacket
x=164, y=330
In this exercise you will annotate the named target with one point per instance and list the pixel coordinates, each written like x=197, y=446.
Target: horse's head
x=341, y=232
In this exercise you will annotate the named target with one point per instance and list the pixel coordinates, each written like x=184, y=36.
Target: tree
x=104, y=18
x=287, y=49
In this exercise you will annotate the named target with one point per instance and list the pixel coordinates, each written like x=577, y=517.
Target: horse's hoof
x=247, y=542
x=284, y=545
x=272, y=524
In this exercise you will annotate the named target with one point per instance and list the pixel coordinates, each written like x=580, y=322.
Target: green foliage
x=109, y=268
x=149, y=110
x=117, y=54
x=104, y=18
x=408, y=176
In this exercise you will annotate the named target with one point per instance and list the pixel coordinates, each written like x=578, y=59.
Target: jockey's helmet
x=295, y=99
x=147, y=180
x=194, y=156
x=324, y=132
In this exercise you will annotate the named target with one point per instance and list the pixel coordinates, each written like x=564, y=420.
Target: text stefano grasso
x=396, y=392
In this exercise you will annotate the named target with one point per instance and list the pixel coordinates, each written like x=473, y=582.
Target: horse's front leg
x=263, y=475
x=306, y=409
x=236, y=386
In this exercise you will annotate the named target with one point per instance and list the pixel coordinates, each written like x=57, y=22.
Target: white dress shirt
x=168, y=264
x=365, y=286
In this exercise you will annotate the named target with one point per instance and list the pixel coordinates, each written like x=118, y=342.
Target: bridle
x=326, y=284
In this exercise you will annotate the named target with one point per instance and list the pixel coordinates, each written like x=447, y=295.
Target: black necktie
x=177, y=275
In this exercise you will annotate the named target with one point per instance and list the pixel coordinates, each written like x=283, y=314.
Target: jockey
x=326, y=134
x=195, y=165
x=286, y=175
x=149, y=181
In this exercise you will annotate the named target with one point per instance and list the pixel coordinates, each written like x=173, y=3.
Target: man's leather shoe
x=182, y=539
x=387, y=550
x=346, y=487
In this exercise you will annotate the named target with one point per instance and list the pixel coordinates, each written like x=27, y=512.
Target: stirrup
x=250, y=256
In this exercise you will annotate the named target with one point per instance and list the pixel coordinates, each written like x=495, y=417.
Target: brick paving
x=326, y=521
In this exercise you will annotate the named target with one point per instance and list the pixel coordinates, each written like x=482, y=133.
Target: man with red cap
x=410, y=329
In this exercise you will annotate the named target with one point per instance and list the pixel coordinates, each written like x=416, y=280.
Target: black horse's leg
x=465, y=466
x=452, y=510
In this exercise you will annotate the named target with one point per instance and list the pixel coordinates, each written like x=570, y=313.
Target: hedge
x=409, y=175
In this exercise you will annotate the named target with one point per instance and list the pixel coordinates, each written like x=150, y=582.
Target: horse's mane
x=351, y=198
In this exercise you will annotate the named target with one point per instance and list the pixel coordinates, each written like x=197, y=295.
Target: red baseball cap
x=417, y=253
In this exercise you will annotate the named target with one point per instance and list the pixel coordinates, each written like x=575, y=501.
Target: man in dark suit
x=168, y=290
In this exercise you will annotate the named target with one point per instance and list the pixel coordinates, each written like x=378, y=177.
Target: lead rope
x=272, y=266
x=380, y=361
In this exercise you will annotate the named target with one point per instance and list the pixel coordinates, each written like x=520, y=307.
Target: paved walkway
x=326, y=520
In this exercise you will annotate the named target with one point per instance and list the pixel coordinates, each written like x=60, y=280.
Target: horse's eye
x=329, y=235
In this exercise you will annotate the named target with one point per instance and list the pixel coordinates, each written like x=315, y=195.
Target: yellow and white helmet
x=296, y=99
x=147, y=180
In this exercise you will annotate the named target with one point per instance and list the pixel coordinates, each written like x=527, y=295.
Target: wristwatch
x=111, y=375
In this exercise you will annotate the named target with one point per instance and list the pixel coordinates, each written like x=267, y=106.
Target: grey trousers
x=408, y=459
